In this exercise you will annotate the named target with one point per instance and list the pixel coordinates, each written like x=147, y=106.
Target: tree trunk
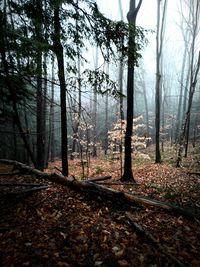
x=188, y=113
x=51, y=143
x=58, y=49
x=40, y=108
x=121, y=70
x=128, y=173
x=106, y=120
x=77, y=109
x=159, y=46
x=94, y=113
x=184, y=137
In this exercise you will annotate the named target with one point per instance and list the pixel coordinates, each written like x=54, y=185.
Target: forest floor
x=60, y=227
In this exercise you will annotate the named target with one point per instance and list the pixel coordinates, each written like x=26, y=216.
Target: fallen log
x=98, y=189
x=148, y=236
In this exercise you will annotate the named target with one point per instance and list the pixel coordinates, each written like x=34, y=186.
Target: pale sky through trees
x=146, y=18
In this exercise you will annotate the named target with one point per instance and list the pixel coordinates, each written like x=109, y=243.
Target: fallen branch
x=99, y=189
x=9, y=173
x=117, y=183
x=25, y=191
x=19, y=184
x=96, y=179
x=58, y=169
x=147, y=235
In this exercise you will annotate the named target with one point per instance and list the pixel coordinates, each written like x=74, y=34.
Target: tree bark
x=131, y=16
x=159, y=48
x=40, y=107
x=58, y=49
x=94, y=112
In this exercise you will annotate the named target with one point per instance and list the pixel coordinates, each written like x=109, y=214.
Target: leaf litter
x=60, y=227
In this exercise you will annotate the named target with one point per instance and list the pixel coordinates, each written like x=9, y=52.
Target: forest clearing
x=60, y=226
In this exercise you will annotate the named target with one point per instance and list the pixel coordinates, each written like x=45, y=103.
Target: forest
x=99, y=133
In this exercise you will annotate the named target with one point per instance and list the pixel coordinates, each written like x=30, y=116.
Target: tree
x=37, y=20
x=94, y=111
x=121, y=70
x=13, y=85
x=192, y=79
x=58, y=50
x=131, y=16
x=77, y=103
x=159, y=48
x=51, y=145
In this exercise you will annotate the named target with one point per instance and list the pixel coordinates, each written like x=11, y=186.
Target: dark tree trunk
x=106, y=122
x=94, y=113
x=159, y=46
x=58, y=49
x=128, y=173
x=40, y=111
x=52, y=132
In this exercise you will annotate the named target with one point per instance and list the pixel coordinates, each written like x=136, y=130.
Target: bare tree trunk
x=51, y=143
x=94, y=113
x=106, y=120
x=184, y=138
x=77, y=118
x=58, y=49
x=131, y=16
x=180, y=103
x=159, y=47
x=121, y=70
x=188, y=113
x=40, y=108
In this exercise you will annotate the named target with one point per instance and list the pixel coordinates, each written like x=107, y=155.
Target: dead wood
x=9, y=173
x=96, y=179
x=58, y=169
x=19, y=184
x=25, y=191
x=95, y=188
x=117, y=183
x=149, y=237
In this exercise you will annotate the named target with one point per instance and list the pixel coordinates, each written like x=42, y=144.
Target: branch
x=96, y=179
x=34, y=189
x=132, y=14
x=18, y=184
